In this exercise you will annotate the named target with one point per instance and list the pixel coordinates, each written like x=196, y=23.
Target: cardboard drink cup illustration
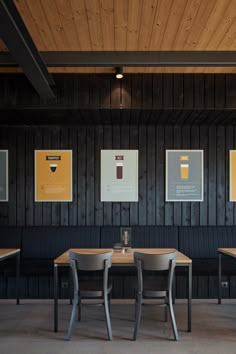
x=53, y=167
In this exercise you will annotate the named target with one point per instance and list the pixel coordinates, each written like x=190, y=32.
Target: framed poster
x=232, y=175
x=3, y=175
x=53, y=175
x=184, y=175
x=119, y=175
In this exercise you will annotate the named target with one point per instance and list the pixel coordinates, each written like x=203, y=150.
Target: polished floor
x=28, y=329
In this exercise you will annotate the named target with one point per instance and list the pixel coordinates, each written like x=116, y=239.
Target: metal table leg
x=55, y=298
x=219, y=278
x=17, y=278
x=190, y=297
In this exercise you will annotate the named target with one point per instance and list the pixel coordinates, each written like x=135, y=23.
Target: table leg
x=190, y=298
x=219, y=278
x=55, y=298
x=17, y=278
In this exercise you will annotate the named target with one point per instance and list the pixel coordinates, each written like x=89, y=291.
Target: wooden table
x=8, y=253
x=121, y=258
x=231, y=252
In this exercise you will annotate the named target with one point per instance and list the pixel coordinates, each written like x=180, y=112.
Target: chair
x=157, y=263
x=100, y=289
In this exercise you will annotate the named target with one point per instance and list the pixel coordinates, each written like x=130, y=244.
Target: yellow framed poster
x=232, y=175
x=53, y=175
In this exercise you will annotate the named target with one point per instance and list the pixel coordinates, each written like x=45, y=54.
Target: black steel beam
x=133, y=59
x=139, y=59
x=22, y=49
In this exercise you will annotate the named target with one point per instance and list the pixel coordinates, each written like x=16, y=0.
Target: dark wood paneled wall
x=143, y=91
x=147, y=122
x=86, y=143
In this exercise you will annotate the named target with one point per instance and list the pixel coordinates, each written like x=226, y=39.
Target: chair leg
x=79, y=309
x=173, y=289
x=71, y=286
x=109, y=302
x=172, y=317
x=107, y=314
x=72, y=319
x=166, y=314
x=138, y=306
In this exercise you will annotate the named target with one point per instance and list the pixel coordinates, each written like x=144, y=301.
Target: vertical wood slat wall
x=143, y=91
x=86, y=143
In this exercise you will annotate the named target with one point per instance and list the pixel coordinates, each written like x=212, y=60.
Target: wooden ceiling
x=131, y=25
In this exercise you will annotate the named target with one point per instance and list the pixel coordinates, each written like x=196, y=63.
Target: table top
x=122, y=257
x=6, y=252
x=228, y=251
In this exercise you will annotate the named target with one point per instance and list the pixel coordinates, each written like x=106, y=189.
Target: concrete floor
x=28, y=329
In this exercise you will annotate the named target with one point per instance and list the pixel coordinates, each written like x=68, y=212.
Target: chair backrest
x=155, y=262
x=158, y=262
x=91, y=262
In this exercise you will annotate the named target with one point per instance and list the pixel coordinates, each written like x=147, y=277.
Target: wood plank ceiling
x=131, y=25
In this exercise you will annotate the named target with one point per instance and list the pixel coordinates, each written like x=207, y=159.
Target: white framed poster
x=53, y=175
x=119, y=175
x=232, y=175
x=3, y=175
x=184, y=175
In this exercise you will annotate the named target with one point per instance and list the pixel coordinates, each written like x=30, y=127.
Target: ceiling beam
x=132, y=59
x=22, y=49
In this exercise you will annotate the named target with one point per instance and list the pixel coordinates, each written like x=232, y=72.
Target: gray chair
x=89, y=289
x=164, y=263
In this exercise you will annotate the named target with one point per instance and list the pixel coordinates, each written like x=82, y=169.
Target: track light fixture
x=119, y=72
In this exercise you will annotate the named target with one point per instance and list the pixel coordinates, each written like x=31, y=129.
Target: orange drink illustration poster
x=184, y=175
x=53, y=175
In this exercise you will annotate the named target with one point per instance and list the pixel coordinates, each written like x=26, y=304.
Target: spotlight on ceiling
x=119, y=72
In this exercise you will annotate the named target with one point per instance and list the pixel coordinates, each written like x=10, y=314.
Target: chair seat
x=155, y=293
x=94, y=290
